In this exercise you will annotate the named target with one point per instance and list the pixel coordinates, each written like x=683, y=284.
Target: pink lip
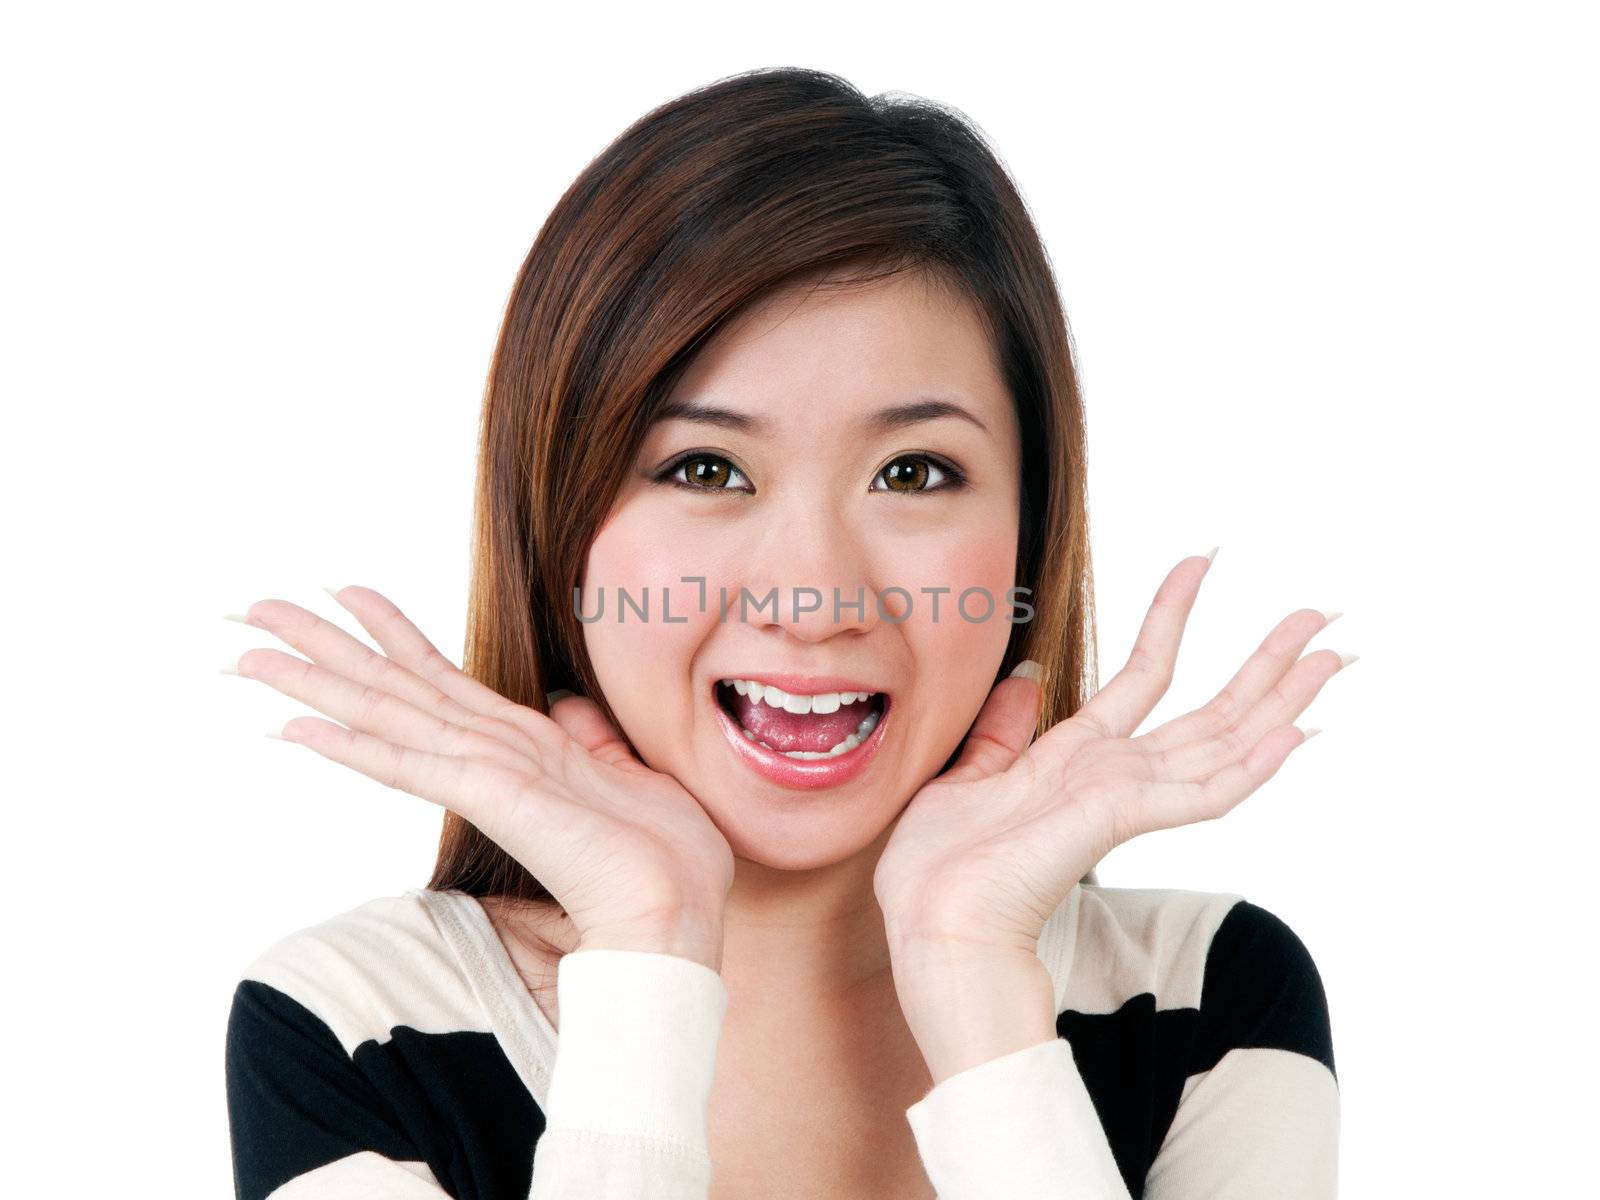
x=798, y=773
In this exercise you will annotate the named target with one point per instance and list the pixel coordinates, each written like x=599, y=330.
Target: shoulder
x=360, y=973
x=1178, y=1005
x=1262, y=990
x=333, y=1083
x=1112, y=944
x=1247, y=975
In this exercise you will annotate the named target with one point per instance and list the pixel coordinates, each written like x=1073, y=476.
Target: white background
x=1331, y=271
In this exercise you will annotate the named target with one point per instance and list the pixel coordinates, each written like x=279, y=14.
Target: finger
x=1121, y=705
x=587, y=725
x=331, y=647
x=1154, y=806
x=407, y=645
x=1004, y=726
x=1264, y=669
x=476, y=790
x=1283, y=703
x=372, y=710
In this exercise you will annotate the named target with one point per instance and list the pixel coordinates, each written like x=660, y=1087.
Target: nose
x=819, y=568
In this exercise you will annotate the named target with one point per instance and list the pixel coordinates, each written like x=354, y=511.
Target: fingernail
x=1311, y=733
x=241, y=618
x=232, y=670
x=1213, y=555
x=273, y=733
x=1346, y=659
x=334, y=591
x=1330, y=617
x=551, y=697
x=1028, y=669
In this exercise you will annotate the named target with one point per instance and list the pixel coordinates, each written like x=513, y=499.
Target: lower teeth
x=863, y=731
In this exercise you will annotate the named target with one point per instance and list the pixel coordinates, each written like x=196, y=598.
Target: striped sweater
x=393, y=1052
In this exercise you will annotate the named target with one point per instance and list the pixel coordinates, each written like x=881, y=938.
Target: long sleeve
x=1257, y=1119
x=391, y=1052
x=1022, y=1124
x=630, y=1092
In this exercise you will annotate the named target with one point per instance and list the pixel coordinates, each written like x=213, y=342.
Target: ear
x=1004, y=726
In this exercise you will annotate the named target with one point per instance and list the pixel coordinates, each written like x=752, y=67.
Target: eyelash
x=955, y=477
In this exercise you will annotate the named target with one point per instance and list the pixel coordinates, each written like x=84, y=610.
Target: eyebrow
x=895, y=416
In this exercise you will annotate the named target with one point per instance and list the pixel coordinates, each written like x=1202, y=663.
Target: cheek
x=644, y=662
x=642, y=556
x=980, y=561
x=957, y=657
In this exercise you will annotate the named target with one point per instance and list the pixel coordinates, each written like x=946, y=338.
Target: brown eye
x=707, y=473
x=911, y=473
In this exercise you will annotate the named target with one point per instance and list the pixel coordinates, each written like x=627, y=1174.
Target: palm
x=990, y=848
x=987, y=855
x=589, y=812
x=564, y=795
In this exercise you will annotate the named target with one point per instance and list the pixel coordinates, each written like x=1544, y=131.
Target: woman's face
x=794, y=461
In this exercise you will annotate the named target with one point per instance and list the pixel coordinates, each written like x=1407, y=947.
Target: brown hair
x=705, y=205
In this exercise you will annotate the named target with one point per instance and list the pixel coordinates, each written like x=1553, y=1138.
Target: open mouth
x=820, y=726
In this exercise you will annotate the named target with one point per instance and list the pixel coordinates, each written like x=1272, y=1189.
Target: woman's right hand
x=628, y=852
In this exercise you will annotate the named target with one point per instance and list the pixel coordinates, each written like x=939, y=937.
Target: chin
x=786, y=832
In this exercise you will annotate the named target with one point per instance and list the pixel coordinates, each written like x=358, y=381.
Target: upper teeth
x=821, y=702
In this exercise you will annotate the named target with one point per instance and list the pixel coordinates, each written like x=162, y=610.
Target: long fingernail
x=1212, y=557
x=1329, y=617
x=273, y=733
x=1311, y=733
x=1346, y=659
x=231, y=670
x=1028, y=669
x=241, y=618
x=334, y=591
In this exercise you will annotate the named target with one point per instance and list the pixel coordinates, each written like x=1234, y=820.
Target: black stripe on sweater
x=1261, y=990
x=297, y=1101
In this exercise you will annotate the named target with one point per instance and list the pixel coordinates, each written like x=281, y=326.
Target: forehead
x=836, y=346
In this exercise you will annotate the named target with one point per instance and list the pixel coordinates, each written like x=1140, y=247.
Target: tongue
x=785, y=731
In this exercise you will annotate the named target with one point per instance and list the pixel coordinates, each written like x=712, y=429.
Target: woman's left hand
x=984, y=853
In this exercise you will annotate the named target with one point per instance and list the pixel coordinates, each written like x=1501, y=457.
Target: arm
x=1009, y=1114
x=625, y=1112
x=1259, y=1112
x=1258, y=1118
x=631, y=1088
x=304, y=1122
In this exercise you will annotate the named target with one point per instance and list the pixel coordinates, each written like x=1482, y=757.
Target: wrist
x=688, y=933
x=965, y=1007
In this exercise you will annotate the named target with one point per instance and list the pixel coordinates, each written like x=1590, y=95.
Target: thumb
x=1004, y=726
x=583, y=721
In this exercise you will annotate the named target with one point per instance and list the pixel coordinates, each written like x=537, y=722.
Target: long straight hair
x=700, y=209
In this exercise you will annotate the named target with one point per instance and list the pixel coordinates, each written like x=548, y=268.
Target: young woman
x=789, y=892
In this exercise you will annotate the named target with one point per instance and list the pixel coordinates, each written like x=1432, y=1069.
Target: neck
x=814, y=937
